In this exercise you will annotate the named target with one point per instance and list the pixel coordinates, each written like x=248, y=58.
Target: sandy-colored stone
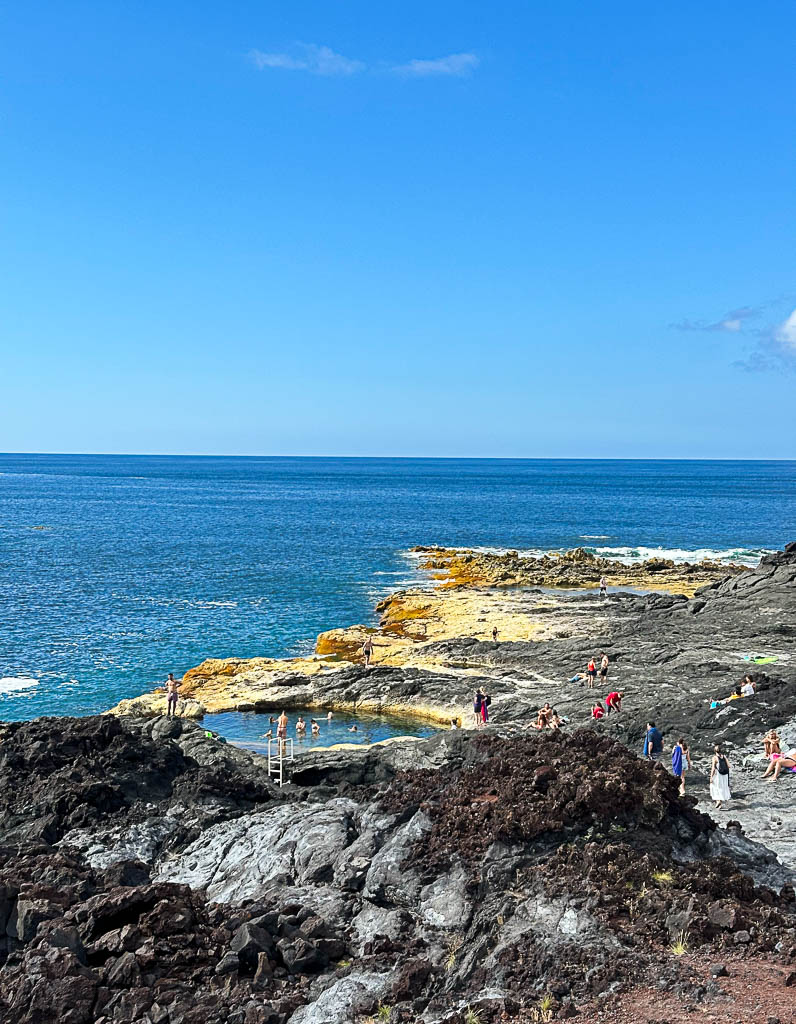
x=478, y=592
x=578, y=568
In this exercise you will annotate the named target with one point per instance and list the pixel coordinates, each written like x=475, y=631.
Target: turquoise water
x=247, y=729
x=115, y=570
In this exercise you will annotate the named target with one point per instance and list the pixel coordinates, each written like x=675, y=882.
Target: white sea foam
x=726, y=556
x=631, y=555
x=12, y=684
x=595, y=536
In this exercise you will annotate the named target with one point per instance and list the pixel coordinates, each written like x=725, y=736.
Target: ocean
x=115, y=570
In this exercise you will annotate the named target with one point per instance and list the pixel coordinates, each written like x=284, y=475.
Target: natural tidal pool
x=248, y=728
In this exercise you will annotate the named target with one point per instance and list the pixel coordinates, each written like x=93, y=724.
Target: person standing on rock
x=653, y=743
x=681, y=760
x=477, y=704
x=172, y=694
x=494, y=633
x=719, y=778
x=591, y=673
x=367, y=650
x=603, y=586
x=603, y=666
x=486, y=700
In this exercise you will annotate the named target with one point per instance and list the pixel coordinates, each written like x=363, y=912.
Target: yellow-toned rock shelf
x=477, y=593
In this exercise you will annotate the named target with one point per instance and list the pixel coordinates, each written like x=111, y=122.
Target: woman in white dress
x=719, y=778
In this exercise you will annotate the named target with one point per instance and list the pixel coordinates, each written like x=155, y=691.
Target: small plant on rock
x=662, y=877
x=635, y=903
x=472, y=1016
x=454, y=946
x=383, y=1012
x=544, y=1011
x=680, y=945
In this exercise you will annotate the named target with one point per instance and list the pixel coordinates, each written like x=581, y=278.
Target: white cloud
x=775, y=349
x=317, y=60
x=454, y=64
x=731, y=322
x=785, y=334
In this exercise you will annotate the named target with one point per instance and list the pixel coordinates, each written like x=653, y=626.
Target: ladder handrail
x=280, y=757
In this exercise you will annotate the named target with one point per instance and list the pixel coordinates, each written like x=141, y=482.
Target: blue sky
x=519, y=229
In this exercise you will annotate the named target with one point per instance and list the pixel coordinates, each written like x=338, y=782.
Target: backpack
x=722, y=766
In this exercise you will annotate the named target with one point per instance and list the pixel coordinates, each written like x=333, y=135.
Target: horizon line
x=401, y=458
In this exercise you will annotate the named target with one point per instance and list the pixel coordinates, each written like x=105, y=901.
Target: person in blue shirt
x=681, y=760
x=653, y=743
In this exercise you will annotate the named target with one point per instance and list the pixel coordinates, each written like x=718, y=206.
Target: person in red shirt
x=613, y=701
x=591, y=672
x=597, y=712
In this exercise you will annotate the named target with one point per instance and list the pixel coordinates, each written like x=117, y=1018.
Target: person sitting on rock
x=598, y=712
x=785, y=762
x=748, y=687
x=771, y=745
x=543, y=716
x=773, y=749
x=613, y=701
x=555, y=721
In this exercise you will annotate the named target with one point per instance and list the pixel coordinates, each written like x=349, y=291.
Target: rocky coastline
x=578, y=568
x=152, y=875
x=476, y=594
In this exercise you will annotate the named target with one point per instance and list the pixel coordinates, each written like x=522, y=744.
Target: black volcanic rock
x=543, y=863
x=149, y=875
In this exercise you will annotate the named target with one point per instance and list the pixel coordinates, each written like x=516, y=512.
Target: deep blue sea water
x=115, y=570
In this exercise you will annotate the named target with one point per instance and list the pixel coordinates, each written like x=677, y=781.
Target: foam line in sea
x=629, y=555
x=12, y=684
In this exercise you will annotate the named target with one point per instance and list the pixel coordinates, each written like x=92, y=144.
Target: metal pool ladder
x=277, y=759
